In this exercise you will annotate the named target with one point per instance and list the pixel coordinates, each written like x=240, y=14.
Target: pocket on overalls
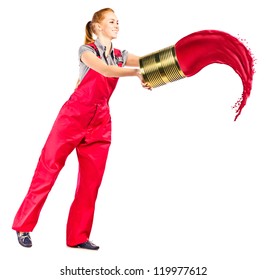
x=100, y=126
x=94, y=116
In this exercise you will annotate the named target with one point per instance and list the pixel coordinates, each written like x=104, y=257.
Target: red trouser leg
x=92, y=159
x=92, y=154
x=63, y=138
x=42, y=182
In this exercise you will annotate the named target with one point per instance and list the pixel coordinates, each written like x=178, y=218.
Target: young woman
x=84, y=124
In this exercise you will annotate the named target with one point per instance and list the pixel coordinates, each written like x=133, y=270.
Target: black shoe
x=87, y=245
x=24, y=239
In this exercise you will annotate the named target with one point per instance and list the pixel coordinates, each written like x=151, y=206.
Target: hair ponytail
x=88, y=33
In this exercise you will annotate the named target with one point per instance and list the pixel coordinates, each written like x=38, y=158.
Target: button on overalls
x=84, y=124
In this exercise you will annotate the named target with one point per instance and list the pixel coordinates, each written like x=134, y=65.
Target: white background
x=184, y=183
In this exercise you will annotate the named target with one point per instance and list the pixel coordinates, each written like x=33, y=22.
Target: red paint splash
x=205, y=47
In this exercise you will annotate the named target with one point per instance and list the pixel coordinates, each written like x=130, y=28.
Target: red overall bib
x=83, y=123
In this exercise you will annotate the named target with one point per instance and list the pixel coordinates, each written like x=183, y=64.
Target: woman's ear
x=98, y=27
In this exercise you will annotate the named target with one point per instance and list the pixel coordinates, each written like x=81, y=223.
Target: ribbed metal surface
x=161, y=67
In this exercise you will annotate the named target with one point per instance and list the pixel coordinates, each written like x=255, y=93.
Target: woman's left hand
x=146, y=85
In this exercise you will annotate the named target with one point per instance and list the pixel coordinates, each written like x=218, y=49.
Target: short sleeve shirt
x=109, y=60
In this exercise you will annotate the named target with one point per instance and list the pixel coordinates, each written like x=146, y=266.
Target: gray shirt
x=109, y=60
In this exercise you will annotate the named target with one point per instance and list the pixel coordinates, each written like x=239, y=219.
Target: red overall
x=83, y=123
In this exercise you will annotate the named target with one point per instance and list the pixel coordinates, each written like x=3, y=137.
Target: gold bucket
x=160, y=67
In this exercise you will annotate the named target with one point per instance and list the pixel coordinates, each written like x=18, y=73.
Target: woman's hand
x=144, y=84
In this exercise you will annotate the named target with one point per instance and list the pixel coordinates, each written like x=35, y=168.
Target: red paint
x=205, y=47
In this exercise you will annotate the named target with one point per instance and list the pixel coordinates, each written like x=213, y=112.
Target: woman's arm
x=132, y=60
x=95, y=63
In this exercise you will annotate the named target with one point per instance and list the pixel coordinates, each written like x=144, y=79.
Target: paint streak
x=205, y=47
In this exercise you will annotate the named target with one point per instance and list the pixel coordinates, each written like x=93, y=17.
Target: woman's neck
x=107, y=43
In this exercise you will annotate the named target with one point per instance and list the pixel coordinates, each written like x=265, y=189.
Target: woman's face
x=109, y=26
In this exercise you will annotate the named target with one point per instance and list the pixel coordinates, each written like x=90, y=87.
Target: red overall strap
x=95, y=48
x=117, y=53
x=118, y=57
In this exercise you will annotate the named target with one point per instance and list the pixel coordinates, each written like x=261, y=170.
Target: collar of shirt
x=102, y=48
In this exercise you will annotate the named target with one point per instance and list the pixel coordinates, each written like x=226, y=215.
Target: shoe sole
x=25, y=245
x=77, y=247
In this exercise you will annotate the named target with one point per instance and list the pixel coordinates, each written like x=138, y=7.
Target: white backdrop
x=184, y=183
